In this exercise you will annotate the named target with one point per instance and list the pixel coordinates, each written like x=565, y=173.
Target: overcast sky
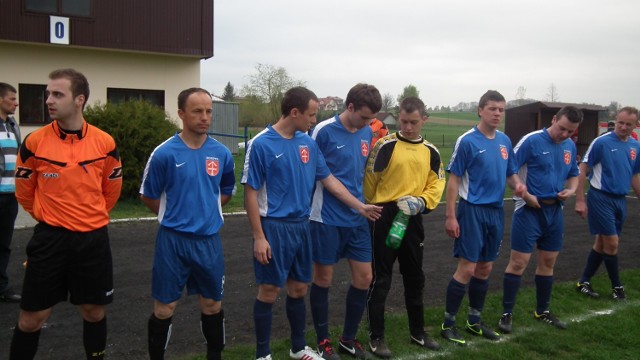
x=451, y=50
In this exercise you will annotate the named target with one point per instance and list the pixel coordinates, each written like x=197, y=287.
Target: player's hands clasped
x=410, y=205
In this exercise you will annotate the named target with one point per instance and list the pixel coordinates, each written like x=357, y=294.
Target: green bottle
x=398, y=228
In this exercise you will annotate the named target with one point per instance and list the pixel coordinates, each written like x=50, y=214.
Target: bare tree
x=552, y=93
x=269, y=83
x=521, y=92
x=387, y=102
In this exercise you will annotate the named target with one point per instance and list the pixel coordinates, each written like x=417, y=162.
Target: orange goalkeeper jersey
x=69, y=180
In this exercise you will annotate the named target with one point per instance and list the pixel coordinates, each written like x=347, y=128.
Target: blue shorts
x=290, y=242
x=186, y=259
x=606, y=212
x=332, y=243
x=544, y=226
x=481, y=230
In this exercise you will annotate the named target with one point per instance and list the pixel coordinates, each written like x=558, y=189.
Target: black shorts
x=62, y=263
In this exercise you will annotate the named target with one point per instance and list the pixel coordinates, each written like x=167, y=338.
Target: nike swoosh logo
x=277, y=156
x=421, y=341
x=614, y=149
x=481, y=151
x=352, y=351
x=178, y=165
x=545, y=152
x=340, y=146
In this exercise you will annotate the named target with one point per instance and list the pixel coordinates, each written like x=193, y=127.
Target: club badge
x=364, y=147
x=213, y=166
x=504, y=152
x=304, y=153
x=567, y=157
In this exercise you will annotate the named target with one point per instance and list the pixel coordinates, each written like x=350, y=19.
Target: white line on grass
x=521, y=332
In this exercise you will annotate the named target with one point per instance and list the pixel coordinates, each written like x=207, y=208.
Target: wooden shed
x=521, y=120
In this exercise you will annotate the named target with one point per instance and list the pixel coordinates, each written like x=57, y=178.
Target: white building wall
x=31, y=64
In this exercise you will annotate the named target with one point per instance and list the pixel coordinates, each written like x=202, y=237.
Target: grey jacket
x=15, y=129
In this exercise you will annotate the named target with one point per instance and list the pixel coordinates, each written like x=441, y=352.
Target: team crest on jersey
x=632, y=154
x=213, y=166
x=504, y=152
x=567, y=157
x=364, y=147
x=304, y=153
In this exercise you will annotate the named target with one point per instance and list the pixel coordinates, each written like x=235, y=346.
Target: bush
x=137, y=127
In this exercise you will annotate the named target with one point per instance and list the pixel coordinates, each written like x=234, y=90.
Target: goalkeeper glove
x=411, y=205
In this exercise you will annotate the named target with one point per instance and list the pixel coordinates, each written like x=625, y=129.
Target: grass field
x=597, y=329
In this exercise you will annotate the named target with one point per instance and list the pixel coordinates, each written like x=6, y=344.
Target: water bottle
x=398, y=228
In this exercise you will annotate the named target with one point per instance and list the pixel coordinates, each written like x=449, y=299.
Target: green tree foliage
x=269, y=83
x=229, y=92
x=254, y=112
x=137, y=127
x=409, y=90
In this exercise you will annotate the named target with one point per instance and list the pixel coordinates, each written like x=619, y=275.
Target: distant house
x=143, y=49
x=387, y=119
x=331, y=103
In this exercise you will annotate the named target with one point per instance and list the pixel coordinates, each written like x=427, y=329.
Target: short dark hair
x=79, y=83
x=364, y=95
x=490, y=95
x=629, y=110
x=572, y=113
x=6, y=88
x=296, y=98
x=412, y=104
x=184, y=95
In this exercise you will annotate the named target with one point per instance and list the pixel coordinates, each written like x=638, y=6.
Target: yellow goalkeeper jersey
x=399, y=167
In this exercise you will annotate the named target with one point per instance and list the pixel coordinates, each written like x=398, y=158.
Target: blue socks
x=611, y=262
x=455, y=294
x=296, y=313
x=262, y=315
x=543, y=292
x=510, y=287
x=477, y=293
x=593, y=263
x=356, y=303
x=319, y=301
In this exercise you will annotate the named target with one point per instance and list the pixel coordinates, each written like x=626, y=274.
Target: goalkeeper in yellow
x=404, y=173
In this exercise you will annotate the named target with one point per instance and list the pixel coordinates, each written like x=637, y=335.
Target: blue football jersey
x=613, y=162
x=544, y=166
x=346, y=156
x=283, y=171
x=483, y=166
x=189, y=183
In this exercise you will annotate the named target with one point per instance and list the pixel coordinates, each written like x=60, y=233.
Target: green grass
x=597, y=329
x=471, y=116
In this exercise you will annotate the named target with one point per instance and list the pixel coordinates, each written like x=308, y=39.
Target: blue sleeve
x=228, y=180
x=595, y=154
x=254, y=166
x=512, y=168
x=155, y=178
x=522, y=153
x=322, y=170
x=636, y=164
x=573, y=171
x=457, y=165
